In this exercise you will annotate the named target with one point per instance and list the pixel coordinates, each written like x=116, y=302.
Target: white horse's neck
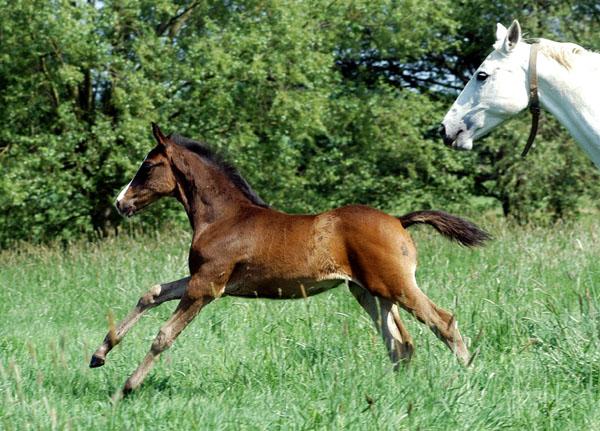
x=573, y=96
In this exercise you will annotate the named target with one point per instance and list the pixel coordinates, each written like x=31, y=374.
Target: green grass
x=528, y=304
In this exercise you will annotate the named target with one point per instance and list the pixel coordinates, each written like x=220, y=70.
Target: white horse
x=568, y=87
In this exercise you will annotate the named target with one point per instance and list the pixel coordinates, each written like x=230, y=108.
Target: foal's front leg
x=185, y=312
x=155, y=296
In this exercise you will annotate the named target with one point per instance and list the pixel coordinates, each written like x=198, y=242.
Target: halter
x=534, y=101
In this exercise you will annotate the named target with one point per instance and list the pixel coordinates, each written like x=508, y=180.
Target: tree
x=319, y=103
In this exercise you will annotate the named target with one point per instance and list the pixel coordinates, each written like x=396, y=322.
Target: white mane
x=566, y=54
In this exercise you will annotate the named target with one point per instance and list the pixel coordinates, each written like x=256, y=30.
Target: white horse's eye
x=482, y=76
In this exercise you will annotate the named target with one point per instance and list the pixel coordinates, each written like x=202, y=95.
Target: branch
x=175, y=23
x=47, y=74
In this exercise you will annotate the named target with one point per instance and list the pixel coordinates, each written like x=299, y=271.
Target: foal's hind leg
x=440, y=321
x=155, y=296
x=387, y=321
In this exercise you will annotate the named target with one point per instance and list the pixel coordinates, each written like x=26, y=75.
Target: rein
x=534, y=102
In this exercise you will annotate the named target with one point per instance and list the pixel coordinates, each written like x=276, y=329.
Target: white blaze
x=122, y=194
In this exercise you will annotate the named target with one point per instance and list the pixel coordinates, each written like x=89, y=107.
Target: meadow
x=527, y=304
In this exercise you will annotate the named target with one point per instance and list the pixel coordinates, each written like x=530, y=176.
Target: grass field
x=528, y=304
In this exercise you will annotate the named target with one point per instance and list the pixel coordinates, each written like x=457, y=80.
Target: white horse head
x=568, y=87
x=496, y=92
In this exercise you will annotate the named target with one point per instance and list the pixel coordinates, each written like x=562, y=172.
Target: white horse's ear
x=513, y=36
x=500, y=33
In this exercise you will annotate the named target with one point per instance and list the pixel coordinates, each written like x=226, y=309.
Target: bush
x=319, y=104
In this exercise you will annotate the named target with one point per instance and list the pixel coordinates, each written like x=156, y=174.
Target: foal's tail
x=452, y=227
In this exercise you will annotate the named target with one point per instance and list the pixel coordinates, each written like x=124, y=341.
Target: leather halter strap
x=534, y=101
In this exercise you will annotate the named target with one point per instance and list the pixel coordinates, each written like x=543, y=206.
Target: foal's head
x=173, y=155
x=153, y=180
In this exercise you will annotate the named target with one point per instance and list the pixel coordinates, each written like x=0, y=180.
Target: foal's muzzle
x=125, y=209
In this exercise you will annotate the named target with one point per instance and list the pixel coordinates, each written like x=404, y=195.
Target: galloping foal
x=243, y=247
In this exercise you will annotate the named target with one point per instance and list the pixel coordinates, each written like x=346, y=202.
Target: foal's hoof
x=96, y=362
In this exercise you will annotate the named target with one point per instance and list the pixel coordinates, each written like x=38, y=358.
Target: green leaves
x=319, y=104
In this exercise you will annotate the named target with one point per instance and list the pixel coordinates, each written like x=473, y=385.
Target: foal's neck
x=573, y=96
x=205, y=191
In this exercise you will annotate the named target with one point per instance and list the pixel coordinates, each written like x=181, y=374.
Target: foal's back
x=285, y=256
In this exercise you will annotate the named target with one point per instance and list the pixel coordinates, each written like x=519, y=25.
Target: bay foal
x=243, y=247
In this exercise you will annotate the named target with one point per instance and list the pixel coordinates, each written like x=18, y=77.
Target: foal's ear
x=159, y=136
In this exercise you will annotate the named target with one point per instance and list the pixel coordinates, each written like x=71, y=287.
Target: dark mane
x=229, y=169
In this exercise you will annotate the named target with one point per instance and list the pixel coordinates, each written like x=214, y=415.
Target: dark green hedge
x=319, y=103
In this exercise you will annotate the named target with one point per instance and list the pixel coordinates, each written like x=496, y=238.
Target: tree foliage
x=319, y=103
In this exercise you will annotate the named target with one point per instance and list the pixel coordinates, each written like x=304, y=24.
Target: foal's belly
x=283, y=288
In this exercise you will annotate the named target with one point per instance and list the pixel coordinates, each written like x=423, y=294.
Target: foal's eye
x=482, y=76
x=147, y=167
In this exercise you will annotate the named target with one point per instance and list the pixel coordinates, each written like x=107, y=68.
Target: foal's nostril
x=442, y=130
